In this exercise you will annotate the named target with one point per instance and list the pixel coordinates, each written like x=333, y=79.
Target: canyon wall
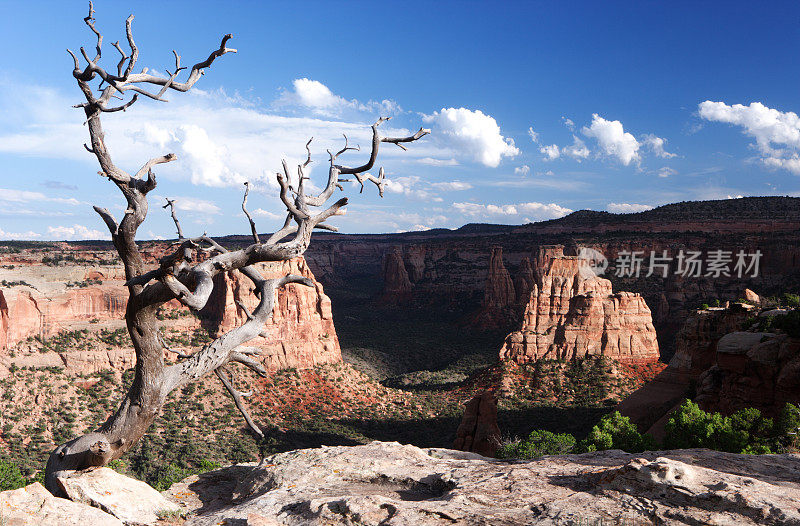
x=41, y=302
x=300, y=332
x=572, y=313
x=723, y=368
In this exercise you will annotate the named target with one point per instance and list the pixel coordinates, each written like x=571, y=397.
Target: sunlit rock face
x=300, y=333
x=41, y=301
x=572, y=313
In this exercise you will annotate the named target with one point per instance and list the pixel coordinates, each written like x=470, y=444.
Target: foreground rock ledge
x=34, y=505
x=389, y=483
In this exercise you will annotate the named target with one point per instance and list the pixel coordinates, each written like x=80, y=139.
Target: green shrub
x=617, y=432
x=538, y=443
x=10, y=476
x=791, y=300
x=745, y=431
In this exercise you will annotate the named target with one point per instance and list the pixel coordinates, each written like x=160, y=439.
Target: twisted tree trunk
x=177, y=276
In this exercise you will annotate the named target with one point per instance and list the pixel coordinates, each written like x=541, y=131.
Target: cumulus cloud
x=533, y=135
x=472, y=134
x=192, y=204
x=410, y=187
x=577, y=150
x=538, y=210
x=627, y=208
x=260, y=212
x=776, y=133
x=656, y=145
x=551, y=152
x=666, y=171
x=6, y=236
x=613, y=140
x=522, y=170
x=316, y=96
x=75, y=232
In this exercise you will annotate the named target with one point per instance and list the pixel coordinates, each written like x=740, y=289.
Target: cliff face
x=397, y=287
x=300, y=332
x=499, y=296
x=724, y=368
x=25, y=312
x=572, y=313
x=43, y=301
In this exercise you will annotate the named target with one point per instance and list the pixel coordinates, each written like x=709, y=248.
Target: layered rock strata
x=722, y=368
x=300, y=332
x=42, y=301
x=572, y=313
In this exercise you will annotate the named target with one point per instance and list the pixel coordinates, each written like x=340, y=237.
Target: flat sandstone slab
x=132, y=501
x=393, y=484
x=34, y=505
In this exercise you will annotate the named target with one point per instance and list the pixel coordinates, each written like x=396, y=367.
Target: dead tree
x=179, y=275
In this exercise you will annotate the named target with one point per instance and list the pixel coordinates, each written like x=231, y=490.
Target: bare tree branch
x=224, y=377
x=244, y=209
x=171, y=205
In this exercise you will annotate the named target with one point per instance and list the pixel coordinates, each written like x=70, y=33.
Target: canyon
x=725, y=363
x=44, y=301
x=572, y=314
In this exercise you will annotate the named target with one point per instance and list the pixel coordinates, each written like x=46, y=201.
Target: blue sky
x=536, y=109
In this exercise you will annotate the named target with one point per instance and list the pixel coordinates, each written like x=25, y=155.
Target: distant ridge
x=743, y=213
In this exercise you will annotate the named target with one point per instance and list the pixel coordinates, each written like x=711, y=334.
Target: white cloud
x=260, y=212
x=8, y=195
x=533, y=135
x=452, y=186
x=75, y=232
x=777, y=134
x=472, y=134
x=409, y=186
x=613, y=140
x=627, y=208
x=539, y=210
x=522, y=170
x=656, y=145
x=18, y=235
x=577, y=150
x=219, y=140
x=430, y=161
x=666, y=171
x=191, y=204
x=316, y=96
x=568, y=123
x=551, y=152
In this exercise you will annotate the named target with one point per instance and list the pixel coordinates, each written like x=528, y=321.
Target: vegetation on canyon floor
x=746, y=431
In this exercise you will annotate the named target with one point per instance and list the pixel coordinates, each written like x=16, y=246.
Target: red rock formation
x=724, y=368
x=478, y=431
x=499, y=297
x=572, y=313
x=30, y=313
x=396, y=283
x=4, y=327
x=300, y=332
x=524, y=283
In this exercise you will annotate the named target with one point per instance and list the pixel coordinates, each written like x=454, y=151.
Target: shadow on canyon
x=439, y=431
